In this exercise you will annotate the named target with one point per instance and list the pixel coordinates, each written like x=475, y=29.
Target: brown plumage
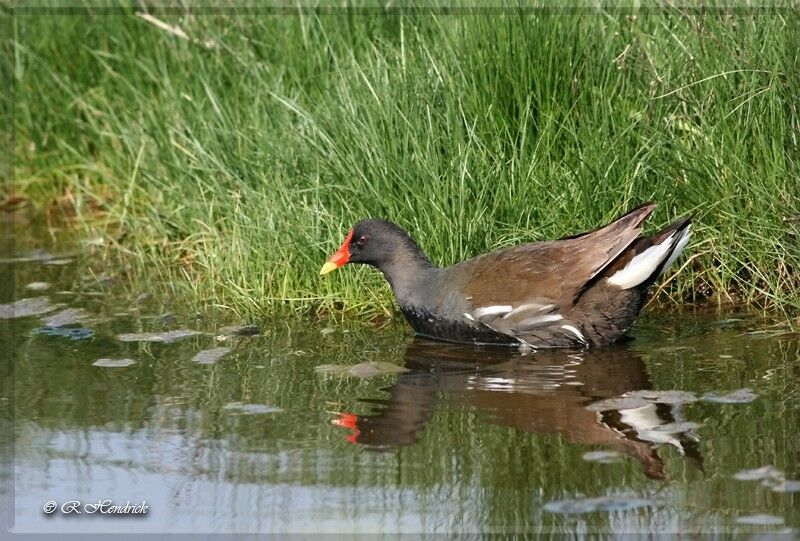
x=578, y=291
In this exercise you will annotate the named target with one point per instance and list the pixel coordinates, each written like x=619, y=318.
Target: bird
x=582, y=291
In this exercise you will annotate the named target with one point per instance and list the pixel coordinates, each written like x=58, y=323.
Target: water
x=224, y=433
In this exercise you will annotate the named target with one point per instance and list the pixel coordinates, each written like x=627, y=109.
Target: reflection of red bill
x=348, y=420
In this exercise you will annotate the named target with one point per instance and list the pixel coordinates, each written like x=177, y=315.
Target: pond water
x=312, y=426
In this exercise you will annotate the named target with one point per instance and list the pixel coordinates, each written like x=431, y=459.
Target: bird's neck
x=410, y=274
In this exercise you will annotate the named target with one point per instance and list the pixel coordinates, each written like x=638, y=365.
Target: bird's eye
x=361, y=240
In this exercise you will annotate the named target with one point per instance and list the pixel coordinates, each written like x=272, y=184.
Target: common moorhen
x=580, y=291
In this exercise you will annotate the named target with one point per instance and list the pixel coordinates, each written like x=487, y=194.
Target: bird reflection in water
x=545, y=392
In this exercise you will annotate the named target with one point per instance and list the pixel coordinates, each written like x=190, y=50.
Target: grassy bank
x=232, y=158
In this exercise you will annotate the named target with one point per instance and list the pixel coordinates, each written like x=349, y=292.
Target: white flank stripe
x=679, y=247
x=574, y=331
x=469, y=317
x=642, y=266
x=491, y=310
x=538, y=321
x=532, y=307
x=522, y=308
x=549, y=317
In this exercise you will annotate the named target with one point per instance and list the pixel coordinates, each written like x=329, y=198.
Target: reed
x=232, y=151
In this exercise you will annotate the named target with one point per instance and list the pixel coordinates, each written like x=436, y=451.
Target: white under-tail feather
x=644, y=265
x=682, y=242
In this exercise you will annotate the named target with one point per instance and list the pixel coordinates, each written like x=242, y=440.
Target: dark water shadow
x=546, y=392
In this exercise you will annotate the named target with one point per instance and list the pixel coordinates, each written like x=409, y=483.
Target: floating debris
x=362, y=370
x=210, y=356
x=240, y=330
x=759, y=474
x=740, y=396
x=664, y=397
x=671, y=349
x=60, y=261
x=727, y=322
x=73, y=333
x=97, y=241
x=602, y=457
x=113, y=363
x=761, y=520
x=68, y=316
x=251, y=409
x=641, y=398
x=787, y=486
x=371, y=369
x=166, y=337
x=676, y=428
x=167, y=318
x=768, y=333
x=34, y=306
x=38, y=286
x=621, y=403
x=604, y=504
x=25, y=257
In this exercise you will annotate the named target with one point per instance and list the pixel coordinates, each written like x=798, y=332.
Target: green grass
x=233, y=171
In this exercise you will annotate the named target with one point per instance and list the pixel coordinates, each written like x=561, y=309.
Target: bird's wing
x=526, y=289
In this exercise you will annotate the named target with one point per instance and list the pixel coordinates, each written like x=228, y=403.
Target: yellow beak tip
x=327, y=267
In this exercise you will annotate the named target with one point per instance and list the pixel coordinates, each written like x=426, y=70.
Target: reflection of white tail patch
x=646, y=420
x=644, y=265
